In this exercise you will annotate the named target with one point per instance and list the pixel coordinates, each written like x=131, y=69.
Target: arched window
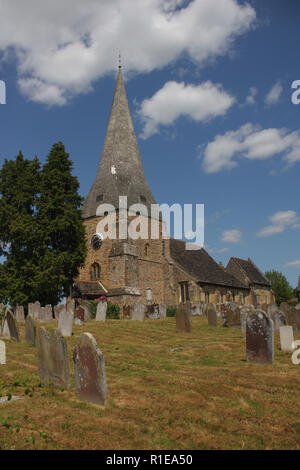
x=95, y=272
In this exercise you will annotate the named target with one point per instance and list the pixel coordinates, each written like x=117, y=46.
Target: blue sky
x=209, y=87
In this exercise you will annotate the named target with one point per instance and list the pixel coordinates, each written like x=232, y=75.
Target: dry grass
x=167, y=390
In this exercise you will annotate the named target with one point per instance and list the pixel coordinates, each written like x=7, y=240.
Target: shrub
x=113, y=311
x=171, y=312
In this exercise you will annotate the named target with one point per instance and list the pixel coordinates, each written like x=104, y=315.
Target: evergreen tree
x=280, y=285
x=19, y=187
x=61, y=232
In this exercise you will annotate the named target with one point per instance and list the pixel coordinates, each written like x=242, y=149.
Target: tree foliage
x=280, y=286
x=41, y=233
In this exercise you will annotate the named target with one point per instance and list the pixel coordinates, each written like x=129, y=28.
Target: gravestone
x=271, y=309
x=36, y=310
x=71, y=306
x=101, y=311
x=48, y=313
x=195, y=310
x=138, y=312
x=52, y=358
x=79, y=316
x=89, y=367
x=87, y=310
x=286, y=338
x=232, y=317
x=42, y=315
x=65, y=322
x=253, y=298
x=2, y=353
x=5, y=331
x=152, y=311
x=279, y=319
x=19, y=313
x=57, y=309
x=12, y=326
x=126, y=312
x=183, y=318
x=297, y=307
x=212, y=317
x=162, y=311
x=259, y=338
x=30, y=330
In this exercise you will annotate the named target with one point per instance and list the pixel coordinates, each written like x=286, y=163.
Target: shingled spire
x=120, y=171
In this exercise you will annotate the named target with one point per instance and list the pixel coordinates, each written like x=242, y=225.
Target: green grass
x=166, y=390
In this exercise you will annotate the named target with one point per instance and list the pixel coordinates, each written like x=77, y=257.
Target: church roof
x=120, y=172
x=249, y=270
x=200, y=265
x=87, y=289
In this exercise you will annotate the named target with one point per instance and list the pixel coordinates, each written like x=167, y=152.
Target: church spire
x=120, y=171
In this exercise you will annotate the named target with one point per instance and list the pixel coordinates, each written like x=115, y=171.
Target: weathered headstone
x=65, y=322
x=259, y=337
x=90, y=375
x=162, y=311
x=138, y=312
x=19, y=313
x=87, y=310
x=71, y=306
x=196, y=310
x=30, y=330
x=57, y=309
x=101, y=311
x=12, y=326
x=2, y=353
x=79, y=316
x=279, y=319
x=52, y=358
x=212, y=317
x=232, y=317
x=253, y=298
x=48, y=313
x=183, y=318
x=126, y=312
x=5, y=331
x=286, y=338
x=36, y=310
x=152, y=311
x=42, y=315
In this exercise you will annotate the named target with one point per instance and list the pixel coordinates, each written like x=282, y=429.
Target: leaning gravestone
x=5, y=331
x=79, y=316
x=162, y=311
x=30, y=330
x=2, y=353
x=286, y=338
x=259, y=337
x=12, y=326
x=65, y=322
x=89, y=366
x=138, y=312
x=19, y=313
x=101, y=311
x=52, y=358
x=183, y=319
x=212, y=317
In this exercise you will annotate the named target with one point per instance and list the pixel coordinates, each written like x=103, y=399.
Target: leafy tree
x=62, y=234
x=280, y=285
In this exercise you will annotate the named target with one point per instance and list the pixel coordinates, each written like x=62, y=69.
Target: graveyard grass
x=166, y=390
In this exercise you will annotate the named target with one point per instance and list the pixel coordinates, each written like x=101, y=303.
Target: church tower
x=122, y=269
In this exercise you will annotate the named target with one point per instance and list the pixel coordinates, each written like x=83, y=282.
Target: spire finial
x=120, y=65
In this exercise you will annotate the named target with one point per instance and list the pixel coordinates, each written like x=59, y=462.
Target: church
x=149, y=270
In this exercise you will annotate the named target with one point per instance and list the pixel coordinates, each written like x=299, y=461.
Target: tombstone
x=48, y=313
x=152, y=311
x=19, y=313
x=292, y=316
x=183, y=319
x=30, y=330
x=138, y=312
x=2, y=353
x=244, y=311
x=79, y=316
x=52, y=358
x=259, y=338
x=297, y=307
x=12, y=326
x=162, y=310
x=149, y=296
x=202, y=308
x=279, y=319
x=264, y=307
x=212, y=317
x=286, y=338
x=36, y=310
x=101, y=311
x=232, y=317
x=87, y=310
x=5, y=331
x=89, y=367
x=57, y=309
x=253, y=298
x=126, y=312
x=65, y=322
x=271, y=309
x=195, y=311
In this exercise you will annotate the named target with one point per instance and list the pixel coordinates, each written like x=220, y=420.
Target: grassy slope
x=167, y=390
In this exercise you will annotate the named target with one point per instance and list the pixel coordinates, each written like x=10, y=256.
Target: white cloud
x=231, y=236
x=250, y=142
x=200, y=102
x=293, y=264
x=251, y=97
x=280, y=221
x=67, y=45
x=274, y=94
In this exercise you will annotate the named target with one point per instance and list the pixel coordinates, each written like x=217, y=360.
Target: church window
x=207, y=297
x=184, y=292
x=95, y=272
x=99, y=197
x=143, y=199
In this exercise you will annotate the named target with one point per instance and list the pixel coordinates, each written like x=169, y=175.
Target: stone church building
x=149, y=270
